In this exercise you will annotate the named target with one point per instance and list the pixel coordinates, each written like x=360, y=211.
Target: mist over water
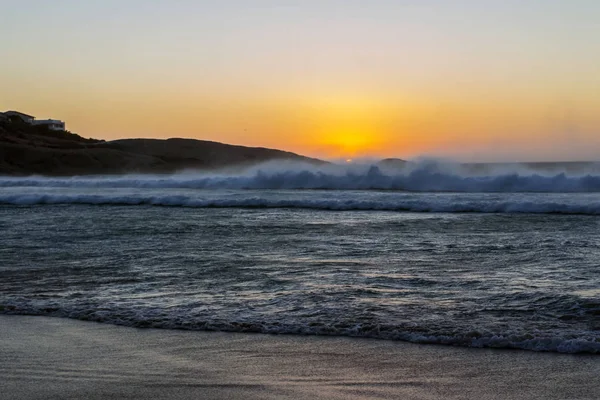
x=423, y=176
x=426, y=186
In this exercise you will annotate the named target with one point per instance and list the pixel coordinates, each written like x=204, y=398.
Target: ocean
x=509, y=259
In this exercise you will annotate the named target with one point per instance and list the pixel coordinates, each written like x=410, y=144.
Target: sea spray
x=419, y=177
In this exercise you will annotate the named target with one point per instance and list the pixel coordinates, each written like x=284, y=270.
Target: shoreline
x=46, y=357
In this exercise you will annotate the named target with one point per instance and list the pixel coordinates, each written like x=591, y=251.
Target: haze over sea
x=430, y=253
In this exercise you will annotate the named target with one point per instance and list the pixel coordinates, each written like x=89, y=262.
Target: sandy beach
x=52, y=358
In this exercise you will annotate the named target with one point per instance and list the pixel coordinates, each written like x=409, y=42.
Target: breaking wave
x=385, y=203
x=420, y=178
x=422, y=187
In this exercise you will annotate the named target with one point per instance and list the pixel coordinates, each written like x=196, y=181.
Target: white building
x=52, y=124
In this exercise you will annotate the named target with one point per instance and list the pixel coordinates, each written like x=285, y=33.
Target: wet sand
x=51, y=358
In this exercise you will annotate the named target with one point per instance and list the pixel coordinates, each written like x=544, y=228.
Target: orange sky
x=508, y=81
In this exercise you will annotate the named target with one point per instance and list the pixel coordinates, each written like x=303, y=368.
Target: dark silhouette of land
x=27, y=149
x=392, y=163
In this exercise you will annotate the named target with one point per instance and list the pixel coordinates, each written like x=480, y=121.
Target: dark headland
x=27, y=149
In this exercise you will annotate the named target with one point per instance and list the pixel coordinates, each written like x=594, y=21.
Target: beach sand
x=52, y=358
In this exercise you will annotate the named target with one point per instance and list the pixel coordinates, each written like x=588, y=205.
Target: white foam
x=422, y=177
x=384, y=203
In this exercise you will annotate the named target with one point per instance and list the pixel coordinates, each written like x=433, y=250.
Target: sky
x=467, y=80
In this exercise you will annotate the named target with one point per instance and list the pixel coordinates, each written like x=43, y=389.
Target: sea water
x=507, y=261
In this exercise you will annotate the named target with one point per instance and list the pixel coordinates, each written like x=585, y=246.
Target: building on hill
x=23, y=117
x=52, y=124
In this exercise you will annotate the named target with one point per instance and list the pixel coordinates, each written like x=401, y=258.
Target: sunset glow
x=333, y=79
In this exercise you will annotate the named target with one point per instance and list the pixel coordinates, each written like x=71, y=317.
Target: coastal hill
x=27, y=149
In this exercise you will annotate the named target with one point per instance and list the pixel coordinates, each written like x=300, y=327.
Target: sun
x=347, y=127
x=349, y=144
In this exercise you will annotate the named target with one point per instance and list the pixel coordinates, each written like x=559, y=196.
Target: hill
x=27, y=150
x=392, y=163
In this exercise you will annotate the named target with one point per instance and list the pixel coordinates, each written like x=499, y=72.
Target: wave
x=422, y=178
x=387, y=203
x=584, y=343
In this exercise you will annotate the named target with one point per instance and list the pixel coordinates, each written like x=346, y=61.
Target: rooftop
x=12, y=112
